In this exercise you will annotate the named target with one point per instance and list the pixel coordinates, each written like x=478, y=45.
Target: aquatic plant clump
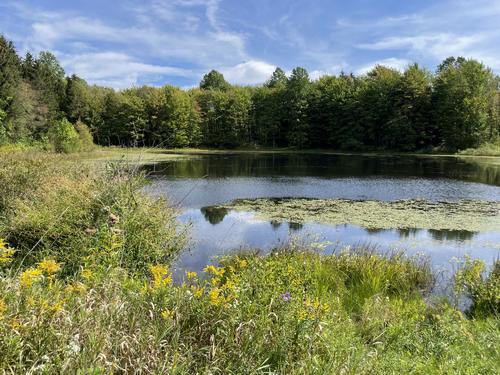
x=466, y=215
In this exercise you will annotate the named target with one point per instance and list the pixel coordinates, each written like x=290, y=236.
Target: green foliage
x=73, y=213
x=86, y=287
x=455, y=109
x=64, y=137
x=486, y=149
x=176, y=121
x=464, y=91
x=85, y=140
x=225, y=117
x=289, y=312
x=214, y=80
x=278, y=79
x=484, y=291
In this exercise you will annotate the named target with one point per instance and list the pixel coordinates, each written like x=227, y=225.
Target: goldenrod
x=30, y=276
x=49, y=266
x=3, y=308
x=160, y=275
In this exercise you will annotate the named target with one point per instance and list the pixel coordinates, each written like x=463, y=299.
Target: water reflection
x=214, y=215
x=302, y=165
x=195, y=184
x=452, y=235
x=295, y=227
x=275, y=224
x=408, y=232
x=243, y=230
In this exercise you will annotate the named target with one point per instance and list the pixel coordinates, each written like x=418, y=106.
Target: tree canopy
x=454, y=108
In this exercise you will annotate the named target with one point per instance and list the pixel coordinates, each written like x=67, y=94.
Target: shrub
x=86, y=142
x=64, y=137
x=483, y=290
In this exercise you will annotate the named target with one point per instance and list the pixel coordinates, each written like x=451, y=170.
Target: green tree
x=225, y=117
x=412, y=128
x=333, y=113
x=464, y=94
x=176, y=118
x=64, y=137
x=377, y=107
x=278, y=79
x=50, y=81
x=296, y=97
x=10, y=76
x=214, y=80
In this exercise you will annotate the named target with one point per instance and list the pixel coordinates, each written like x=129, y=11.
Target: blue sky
x=134, y=42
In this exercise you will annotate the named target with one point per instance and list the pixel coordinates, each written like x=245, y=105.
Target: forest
x=454, y=108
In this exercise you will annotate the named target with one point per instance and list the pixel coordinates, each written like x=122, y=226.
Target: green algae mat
x=470, y=215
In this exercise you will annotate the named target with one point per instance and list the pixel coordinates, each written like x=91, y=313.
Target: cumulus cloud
x=249, y=73
x=391, y=62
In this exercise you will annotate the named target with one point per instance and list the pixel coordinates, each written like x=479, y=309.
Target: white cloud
x=249, y=73
x=333, y=70
x=438, y=45
x=117, y=70
x=163, y=31
x=391, y=62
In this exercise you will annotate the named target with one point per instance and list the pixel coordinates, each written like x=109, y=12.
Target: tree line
x=454, y=108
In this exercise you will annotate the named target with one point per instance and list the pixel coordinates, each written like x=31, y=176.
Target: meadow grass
x=487, y=149
x=86, y=287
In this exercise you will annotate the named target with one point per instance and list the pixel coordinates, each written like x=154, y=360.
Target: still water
x=196, y=183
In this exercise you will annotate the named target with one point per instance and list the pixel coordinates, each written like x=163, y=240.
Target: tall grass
x=68, y=210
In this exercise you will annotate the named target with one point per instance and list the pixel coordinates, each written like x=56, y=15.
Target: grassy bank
x=487, y=149
x=86, y=287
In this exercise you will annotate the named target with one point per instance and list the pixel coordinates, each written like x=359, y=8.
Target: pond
x=204, y=186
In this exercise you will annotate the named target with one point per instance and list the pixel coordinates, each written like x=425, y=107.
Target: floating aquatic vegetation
x=466, y=215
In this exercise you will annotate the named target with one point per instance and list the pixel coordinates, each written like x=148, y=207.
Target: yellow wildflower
x=49, y=266
x=243, y=263
x=58, y=306
x=167, y=314
x=30, y=276
x=198, y=292
x=75, y=288
x=160, y=275
x=3, y=308
x=214, y=270
x=15, y=324
x=6, y=253
x=302, y=315
x=229, y=285
x=214, y=281
x=86, y=274
x=191, y=275
x=215, y=297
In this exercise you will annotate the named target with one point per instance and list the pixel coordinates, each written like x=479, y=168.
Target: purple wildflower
x=286, y=296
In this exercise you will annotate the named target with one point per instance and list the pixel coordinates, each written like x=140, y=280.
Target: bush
x=483, y=290
x=64, y=137
x=86, y=142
